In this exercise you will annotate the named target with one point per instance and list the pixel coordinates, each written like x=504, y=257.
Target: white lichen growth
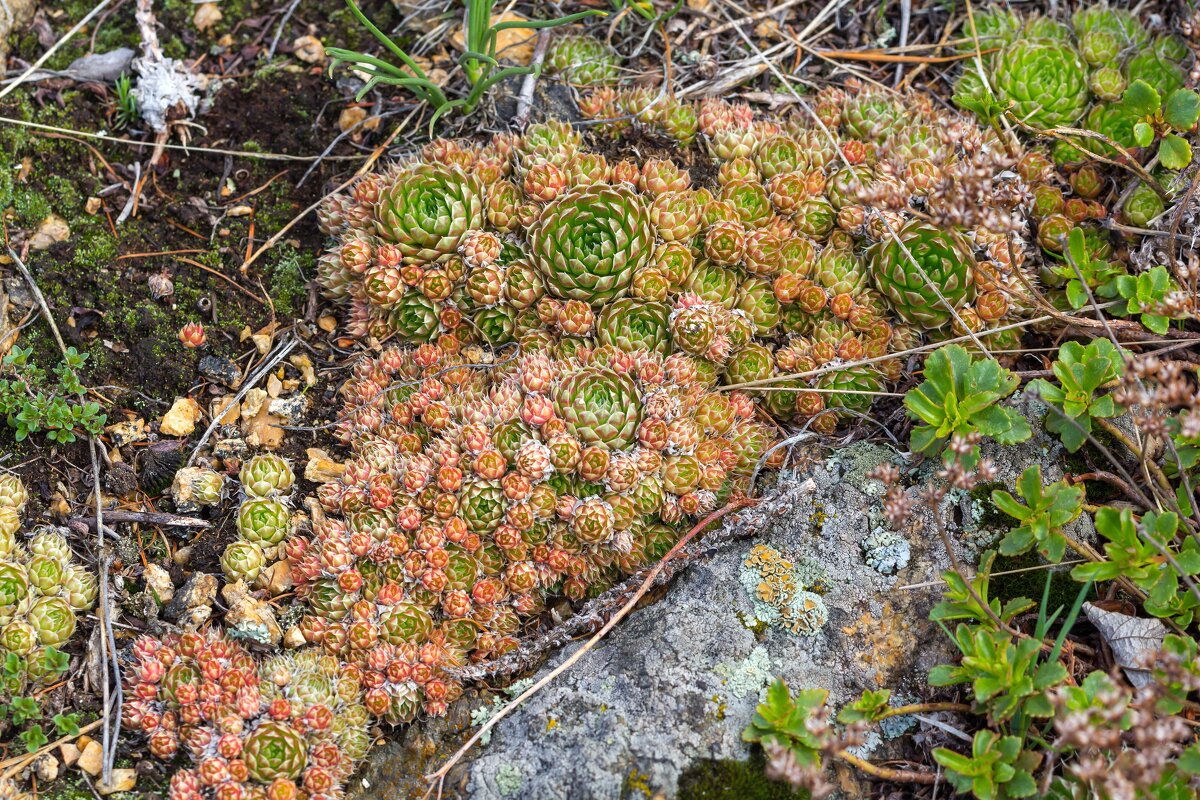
x=886, y=552
x=509, y=779
x=749, y=677
x=481, y=715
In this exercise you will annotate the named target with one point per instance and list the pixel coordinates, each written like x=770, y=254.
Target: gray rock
x=220, y=369
x=198, y=592
x=678, y=681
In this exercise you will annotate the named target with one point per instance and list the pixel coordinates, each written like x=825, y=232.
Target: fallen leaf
x=512, y=44
x=1132, y=640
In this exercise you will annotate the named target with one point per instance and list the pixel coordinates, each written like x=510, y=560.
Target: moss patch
x=733, y=780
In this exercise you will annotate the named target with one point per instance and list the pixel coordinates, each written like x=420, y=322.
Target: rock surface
x=677, y=681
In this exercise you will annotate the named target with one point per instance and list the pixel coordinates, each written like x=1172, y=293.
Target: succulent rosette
x=1044, y=80
x=266, y=475
x=426, y=209
x=588, y=243
x=928, y=276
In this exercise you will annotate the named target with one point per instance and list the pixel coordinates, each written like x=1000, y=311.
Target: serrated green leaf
x=1182, y=109
x=1174, y=152
x=1141, y=99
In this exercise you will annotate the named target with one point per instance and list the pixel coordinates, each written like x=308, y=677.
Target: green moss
x=286, y=280
x=1032, y=582
x=733, y=780
x=987, y=515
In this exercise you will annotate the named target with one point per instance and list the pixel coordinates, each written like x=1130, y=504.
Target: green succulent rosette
x=266, y=475
x=599, y=407
x=583, y=60
x=414, y=318
x=631, y=325
x=850, y=388
x=263, y=521
x=588, y=242
x=943, y=260
x=714, y=283
x=427, y=209
x=482, y=505
x=275, y=750
x=53, y=619
x=1043, y=82
x=406, y=623
x=243, y=560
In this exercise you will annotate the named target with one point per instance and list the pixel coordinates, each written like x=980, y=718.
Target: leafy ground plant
x=55, y=403
x=479, y=60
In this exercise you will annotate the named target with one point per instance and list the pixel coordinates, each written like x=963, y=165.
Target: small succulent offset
x=1076, y=398
x=263, y=521
x=21, y=677
x=35, y=401
x=1047, y=509
x=961, y=395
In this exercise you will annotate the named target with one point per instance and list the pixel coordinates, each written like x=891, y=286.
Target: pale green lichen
x=481, y=715
x=509, y=780
x=886, y=552
x=749, y=677
x=780, y=591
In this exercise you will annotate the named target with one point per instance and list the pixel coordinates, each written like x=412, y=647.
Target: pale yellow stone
x=182, y=418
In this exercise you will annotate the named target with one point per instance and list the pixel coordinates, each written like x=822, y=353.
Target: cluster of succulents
x=812, y=252
x=42, y=588
x=583, y=60
x=782, y=592
x=263, y=518
x=614, y=110
x=1050, y=74
x=292, y=727
x=475, y=489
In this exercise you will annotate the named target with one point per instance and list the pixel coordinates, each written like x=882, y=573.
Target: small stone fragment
x=181, y=419
x=52, y=230
x=277, y=578
x=90, y=760
x=206, y=16
x=131, y=430
x=69, y=752
x=248, y=617
x=321, y=468
x=122, y=780
x=93, y=205
x=351, y=117
x=227, y=408
x=220, y=369
x=46, y=767
x=158, y=584
x=294, y=638
x=197, y=593
x=303, y=363
x=309, y=49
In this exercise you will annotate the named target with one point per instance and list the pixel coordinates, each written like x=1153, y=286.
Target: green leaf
x=67, y=724
x=1143, y=134
x=1182, y=109
x=34, y=738
x=1174, y=152
x=1142, y=99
